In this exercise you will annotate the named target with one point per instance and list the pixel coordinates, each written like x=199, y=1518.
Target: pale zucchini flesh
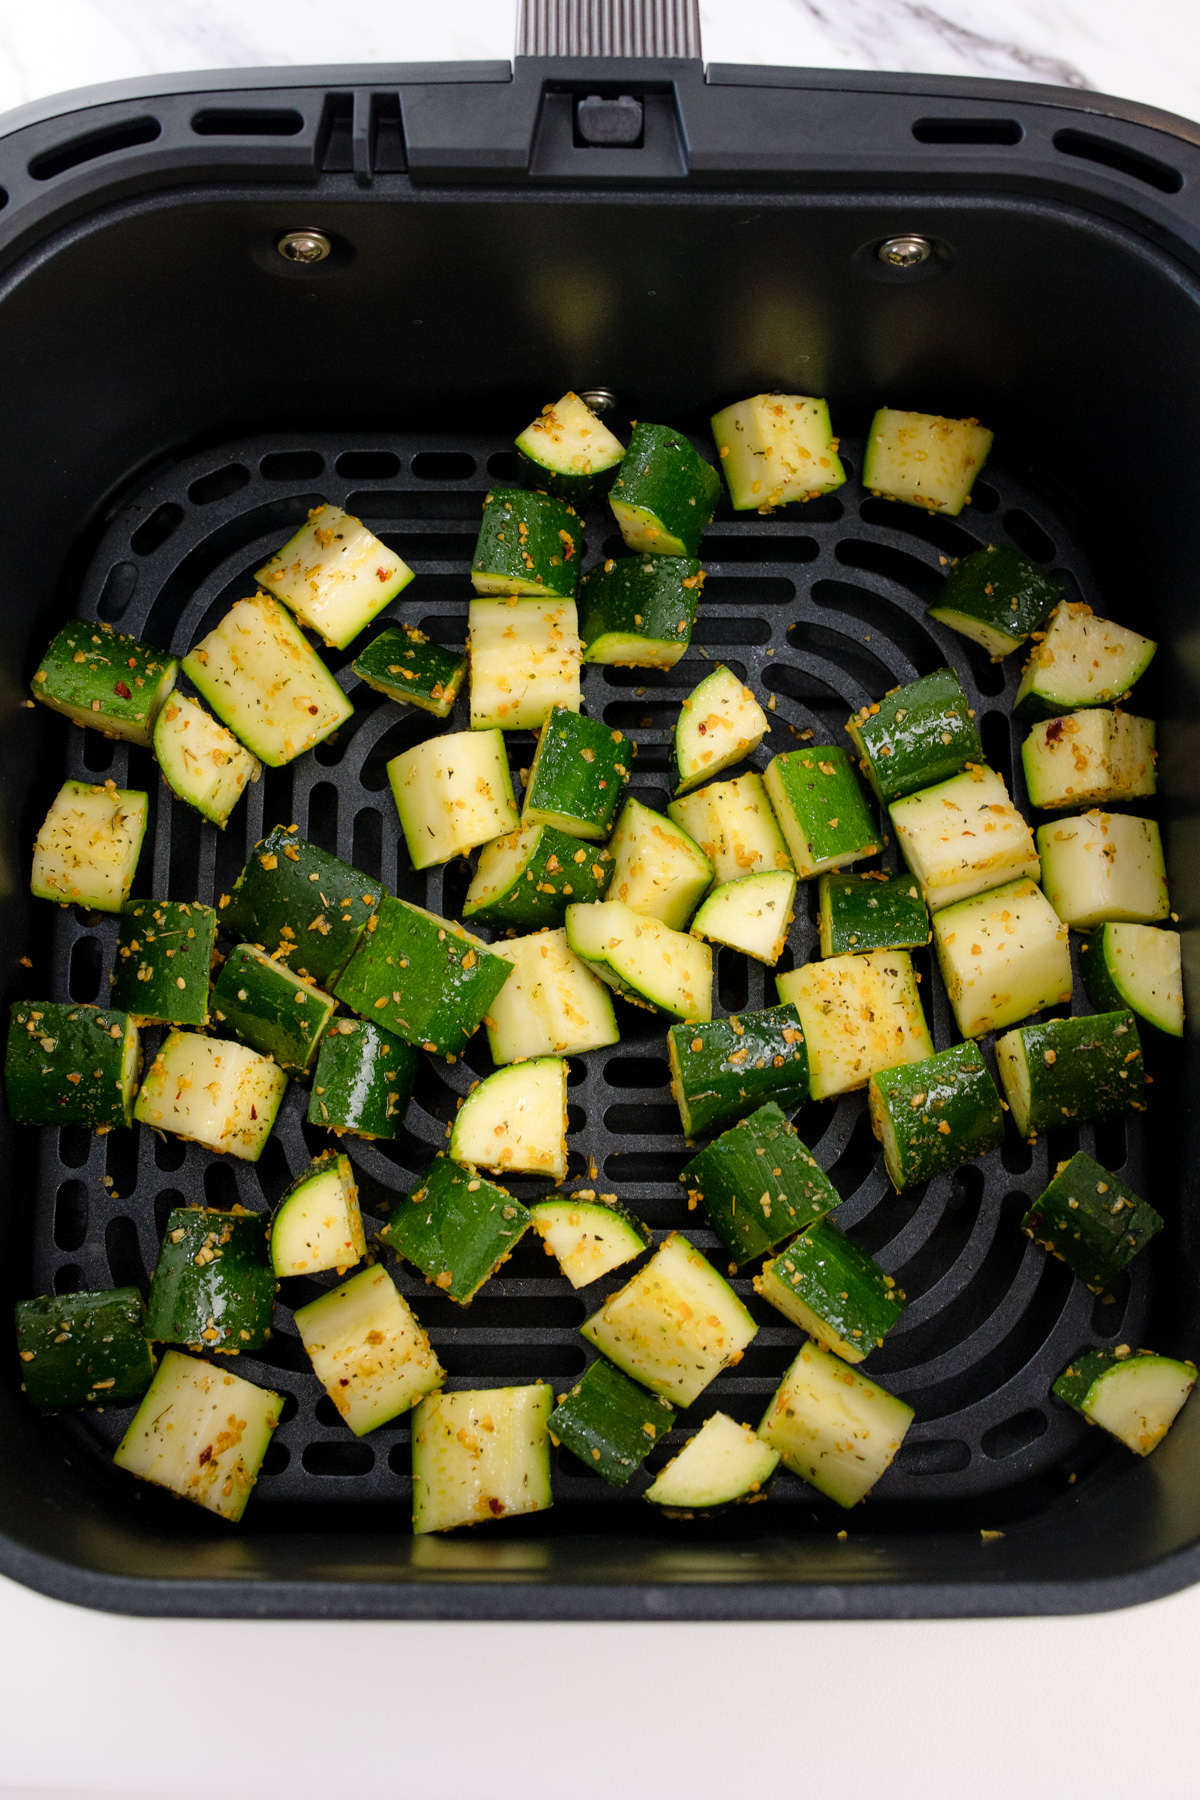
x=263, y=679
x=368, y=1350
x=213, y=1091
x=588, y=1238
x=335, y=575
x=202, y=1432
x=480, y=1455
x=719, y=723
x=525, y=658
x=201, y=762
x=724, y=1462
x=1002, y=955
x=776, y=448
x=1100, y=866
x=453, y=793
x=1138, y=1401
x=860, y=1014
x=658, y=870
x=318, y=1224
x=1093, y=755
x=515, y=1122
x=964, y=836
x=752, y=915
x=833, y=1427
x=568, y=440
x=643, y=959
x=1141, y=968
x=734, y=825
x=1081, y=661
x=86, y=852
x=924, y=460
x=551, y=1005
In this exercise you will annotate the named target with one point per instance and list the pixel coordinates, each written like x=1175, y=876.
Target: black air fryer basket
x=178, y=391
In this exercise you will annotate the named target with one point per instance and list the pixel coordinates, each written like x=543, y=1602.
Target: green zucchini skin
x=457, y=1228
x=639, y=611
x=363, y=1080
x=664, y=495
x=931, y=1116
x=578, y=777
x=568, y=451
x=70, y=1065
x=871, y=912
x=551, y=870
x=1135, y=966
x=213, y=1287
x=445, y=979
x=104, y=678
x=609, y=1422
x=821, y=809
x=996, y=598
x=1096, y=1377
x=83, y=1349
x=833, y=1290
x=723, y=1069
x=1091, y=1220
x=290, y=893
x=164, y=954
x=919, y=735
x=759, y=1184
x=403, y=664
x=527, y=544
x=261, y=1002
x=1075, y=1069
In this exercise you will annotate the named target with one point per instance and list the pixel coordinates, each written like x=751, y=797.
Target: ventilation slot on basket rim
x=125, y=134
x=247, y=121
x=968, y=131
x=1122, y=157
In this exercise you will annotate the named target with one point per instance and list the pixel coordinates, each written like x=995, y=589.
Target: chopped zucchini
x=164, y=953
x=658, y=869
x=996, y=598
x=568, y=451
x=933, y=1115
x=423, y=977
x=719, y=724
x=734, y=825
x=964, y=836
x=759, y=1185
x=578, y=776
x=525, y=657
x=106, y=679
x=776, y=448
x=219, y=1094
x=528, y=544
x=260, y=1001
x=1091, y=755
x=1134, y=1395
x=588, y=1238
x=70, y=1065
x=1081, y=661
x=727, y=1068
x=643, y=959
x=875, y=911
x=1137, y=966
x=918, y=735
x=201, y=762
x=529, y=878
x=724, y=1462
x=860, y=1014
x=456, y=1228
x=924, y=460
x=1065, y=1071
x=263, y=679
x=213, y=1286
x=638, y=611
x=1100, y=866
x=368, y=1350
x=1003, y=955
x=363, y=1080
x=452, y=793
x=83, y=1349
x=335, y=575
x=317, y=1225
x=87, y=850
x=403, y=664
x=665, y=495
x=1091, y=1220
x=480, y=1455
x=202, y=1432
x=515, y=1122
x=832, y=1427
x=609, y=1422
x=551, y=1005
x=821, y=808
x=294, y=899
x=833, y=1290
x=752, y=914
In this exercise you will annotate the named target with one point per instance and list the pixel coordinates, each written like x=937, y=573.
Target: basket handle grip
x=645, y=28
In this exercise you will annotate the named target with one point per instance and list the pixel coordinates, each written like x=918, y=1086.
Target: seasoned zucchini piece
x=658, y=869
x=261, y=1002
x=996, y=598
x=1003, y=955
x=734, y=825
x=1081, y=661
x=164, y=953
x=87, y=850
x=724, y=1462
x=918, y=735
x=551, y=1005
x=403, y=664
x=568, y=451
x=529, y=878
x=335, y=575
x=293, y=898
x=106, y=679
x=528, y=544
x=665, y=495
x=578, y=776
x=317, y=1225
x=933, y=1115
x=1089, y=755
x=964, y=836
x=263, y=679
x=675, y=1325
x=752, y=914
x=776, y=448
x=609, y=1422
x=1134, y=1395
x=1101, y=866
x=70, y=1065
x=1071, y=1070
x=833, y=1290
x=213, y=1286
x=638, y=611
x=423, y=977
x=1136, y=966
x=456, y=1228
x=368, y=1350
x=525, y=657
x=719, y=724
x=725, y=1069
x=820, y=806
x=201, y=762
x=643, y=959
x=515, y=1122
x=924, y=460
x=202, y=1432
x=1091, y=1220
x=363, y=1080
x=874, y=911
x=832, y=1427
x=759, y=1185
x=860, y=1014
x=219, y=1094
x=588, y=1238
x=480, y=1455
x=83, y=1349
x=452, y=793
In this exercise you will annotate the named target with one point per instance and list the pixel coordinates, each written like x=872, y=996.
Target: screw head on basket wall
x=304, y=246
x=905, y=252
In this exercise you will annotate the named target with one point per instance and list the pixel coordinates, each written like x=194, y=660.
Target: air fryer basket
x=178, y=394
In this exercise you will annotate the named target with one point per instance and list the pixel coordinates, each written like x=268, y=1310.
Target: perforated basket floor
x=821, y=609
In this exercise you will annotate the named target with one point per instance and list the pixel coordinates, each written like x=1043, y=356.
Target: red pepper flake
x=120, y=688
x=381, y=574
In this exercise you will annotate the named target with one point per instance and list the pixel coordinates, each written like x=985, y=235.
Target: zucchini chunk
x=568, y=451
x=1081, y=661
x=964, y=836
x=665, y=494
x=106, y=679
x=403, y=664
x=734, y=825
x=216, y=1093
x=1134, y=1395
x=609, y=1422
x=452, y=793
x=423, y=977
x=86, y=852
x=83, y=1349
x=996, y=598
x=368, y=1350
x=1065, y=1070
x=1090, y=755
x=638, y=611
x=1136, y=966
x=480, y=1455
x=675, y=1325
x=759, y=1185
x=722, y=1463
x=1091, y=1220
x=528, y=879
x=263, y=679
x=202, y=1432
x=821, y=809
x=918, y=735
x=263, y=1004
x=776, y=448
x=164, y=954
x=515, y=1122
x=70, y=1065
x=363, y=1080
x=317, y=1225
x=213, y=1286
x=658, y=870
x=859, y=1014
x=527, y=544
x=293, y=898
x=833, y=1290
x=551, y=1005
x=1002, y=955
x=456, y=1228
x=932, y=1116
x=719, y=724
x=588, y=1238
x=924, y=460
x=875, y=911
x=335, y=575
x=1100, y=866
x=201, y=762
x=578, y=776
x=525, y=657
x=752, y=914
x=832, y=1427
x=727, y=1068
x=643, y=959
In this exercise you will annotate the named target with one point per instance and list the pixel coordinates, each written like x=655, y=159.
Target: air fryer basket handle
x=655, y=28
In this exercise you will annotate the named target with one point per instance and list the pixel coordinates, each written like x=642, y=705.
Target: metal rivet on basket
x=304, y=246
x=906, y=252
x=599, y=399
